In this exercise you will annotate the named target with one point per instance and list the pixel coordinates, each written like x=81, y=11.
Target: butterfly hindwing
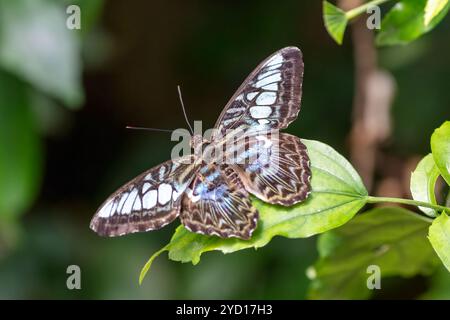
x=216, y=203
x=276, y=168
x=148, y=202
x=270, y=96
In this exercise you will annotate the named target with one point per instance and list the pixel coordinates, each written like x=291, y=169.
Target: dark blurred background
x=64, y=147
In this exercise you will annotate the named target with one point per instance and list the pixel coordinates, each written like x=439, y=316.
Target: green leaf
x=335, y=21
x=20, y=149
x=433, y=8
x=423, y=181
x=148, y=264
x=394, y=239
x=36, y=45
x=337, y=195
x=447, y=200
x=439, y=236
x=439, y=286
x=440, y=148
x=405, y=22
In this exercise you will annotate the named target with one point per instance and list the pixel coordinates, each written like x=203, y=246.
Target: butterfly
x=213, y=198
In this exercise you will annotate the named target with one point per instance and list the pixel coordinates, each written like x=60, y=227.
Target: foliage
x=19, y=157
x=393, y=239
x=35, y=47
x=434, y=8
x=423, y=182
x=40, y=60
x=405, y=21
x=440, y=147
x=440, y=238
x=335, y=21
x=438, y=286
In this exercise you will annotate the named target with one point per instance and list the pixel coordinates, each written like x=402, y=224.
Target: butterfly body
x=210, y=189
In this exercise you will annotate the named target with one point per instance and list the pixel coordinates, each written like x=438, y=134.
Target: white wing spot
x=105, y=212
x=148, y=176
x=260, y=112
x=272, y=87
x=228, y=121
x=273, y=78
x=128, y=205
x=149, y=199
x=175, y=194
x=235, y=110
x=267, y=73
x=145, y=187
x=251, y=95
x=162, y=171
x=240, y=97
x=122, y=200
x=263, y=121
x=114, y=208
x=164, y=193
x=274, y=66
x=137, y=204
x=278, y=58
x=192, y=197
x=266, y=98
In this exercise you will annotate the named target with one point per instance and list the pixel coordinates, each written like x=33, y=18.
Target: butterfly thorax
x=198, y=143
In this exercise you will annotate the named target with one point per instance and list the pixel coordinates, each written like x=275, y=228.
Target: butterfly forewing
x=270, y=96
x=148, y=202
x=217, y=203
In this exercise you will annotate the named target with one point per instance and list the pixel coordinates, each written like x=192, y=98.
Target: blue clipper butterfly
x=214, y=198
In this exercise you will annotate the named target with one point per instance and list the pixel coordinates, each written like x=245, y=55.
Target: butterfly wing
x=217, y=200
x=275, y=168
x=148, y=202
x=216, y=203
x=270, y=96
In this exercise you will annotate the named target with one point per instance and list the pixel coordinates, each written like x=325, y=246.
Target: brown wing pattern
x=216, y=203
x=280, y=172
x=148, y=202
x=269, y=98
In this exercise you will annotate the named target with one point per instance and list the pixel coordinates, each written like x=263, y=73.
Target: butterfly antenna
x=148, y=129
x=184, y=110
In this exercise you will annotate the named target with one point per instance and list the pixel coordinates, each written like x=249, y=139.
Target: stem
x=415, y=203
x=361, y=9
x=147, y=266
